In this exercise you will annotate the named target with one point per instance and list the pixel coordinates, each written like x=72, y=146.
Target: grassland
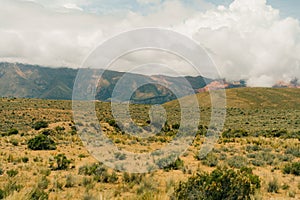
x=262, y=131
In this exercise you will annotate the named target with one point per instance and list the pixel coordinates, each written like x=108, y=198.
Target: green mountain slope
x=31, y=81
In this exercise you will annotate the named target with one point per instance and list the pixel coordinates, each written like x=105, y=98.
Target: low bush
x=41, y=142
x=170, y=163
x=10, y=187
x=43, y=183
x=211, y=160
x=39, y=125
x=292, y=168
x=273, y=186
x=176, y=165
x=14, y=142
x=47, y=132
x=94, y=169
x=38, y=194
x=262, y=158
x=146, y=186
x=12, y=172
x=25, y=159
x=237, y=161
x=251, y=148
x=70, y=181
x=175, y=126
x=295, y=151
x=231, y=133
x=13, y=132
x=219, y=184
x=132, y=178
x=62, y=163
x=99, y=172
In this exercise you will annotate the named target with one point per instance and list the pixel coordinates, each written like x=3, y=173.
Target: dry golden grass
x=243, y=105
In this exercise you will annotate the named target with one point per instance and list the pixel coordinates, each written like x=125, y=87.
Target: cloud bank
x=247, y=40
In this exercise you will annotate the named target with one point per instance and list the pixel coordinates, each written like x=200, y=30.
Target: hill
x=257, y=98
x=32, y=81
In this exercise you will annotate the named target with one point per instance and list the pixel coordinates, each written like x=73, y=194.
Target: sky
x=256, y=40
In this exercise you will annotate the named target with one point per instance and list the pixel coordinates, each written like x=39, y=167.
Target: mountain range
x=33, y=81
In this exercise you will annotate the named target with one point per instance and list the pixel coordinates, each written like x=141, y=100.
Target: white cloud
x=72, y=6
x=247, y=40
x=149, y=1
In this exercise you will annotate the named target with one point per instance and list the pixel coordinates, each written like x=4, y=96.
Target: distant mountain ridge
x=33, y=81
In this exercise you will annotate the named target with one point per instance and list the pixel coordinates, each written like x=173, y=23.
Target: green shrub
x=113, y=178
x=86, y=181
x=120, y=156
x=292, y=168
x=13, y=132
x=62, y=163
x=12, y=173
x=211, y=160
x=59, y=128
x=147, y=185
x=133, y=178
x=25, y=159
x=39, y=125
x=43, y=183
x=170, y=163
x=41, y=142
x=285, y=158
x=295, y=151
x=285, y=186
x=257, y=162
x=262, y=158
x=14, y=142
x=230, y=133
x=1, y=194
x=45, y=171
x=273, y=186
x=219, y=184
x=99, y=172
x=237, y=161
x=48, y=132
x=175, y=126
x=88, y=196
x=70, y=181
x=94, y=169
x=176, y=165
x=10, y=187
x=38, y=194
x=251, y=148
x=114, y=124
x=292, y=194
x=223, y=156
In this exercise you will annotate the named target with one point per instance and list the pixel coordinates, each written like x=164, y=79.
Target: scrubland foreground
x=256, y=157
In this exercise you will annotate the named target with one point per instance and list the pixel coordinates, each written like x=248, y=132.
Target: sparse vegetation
x=262, y=136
